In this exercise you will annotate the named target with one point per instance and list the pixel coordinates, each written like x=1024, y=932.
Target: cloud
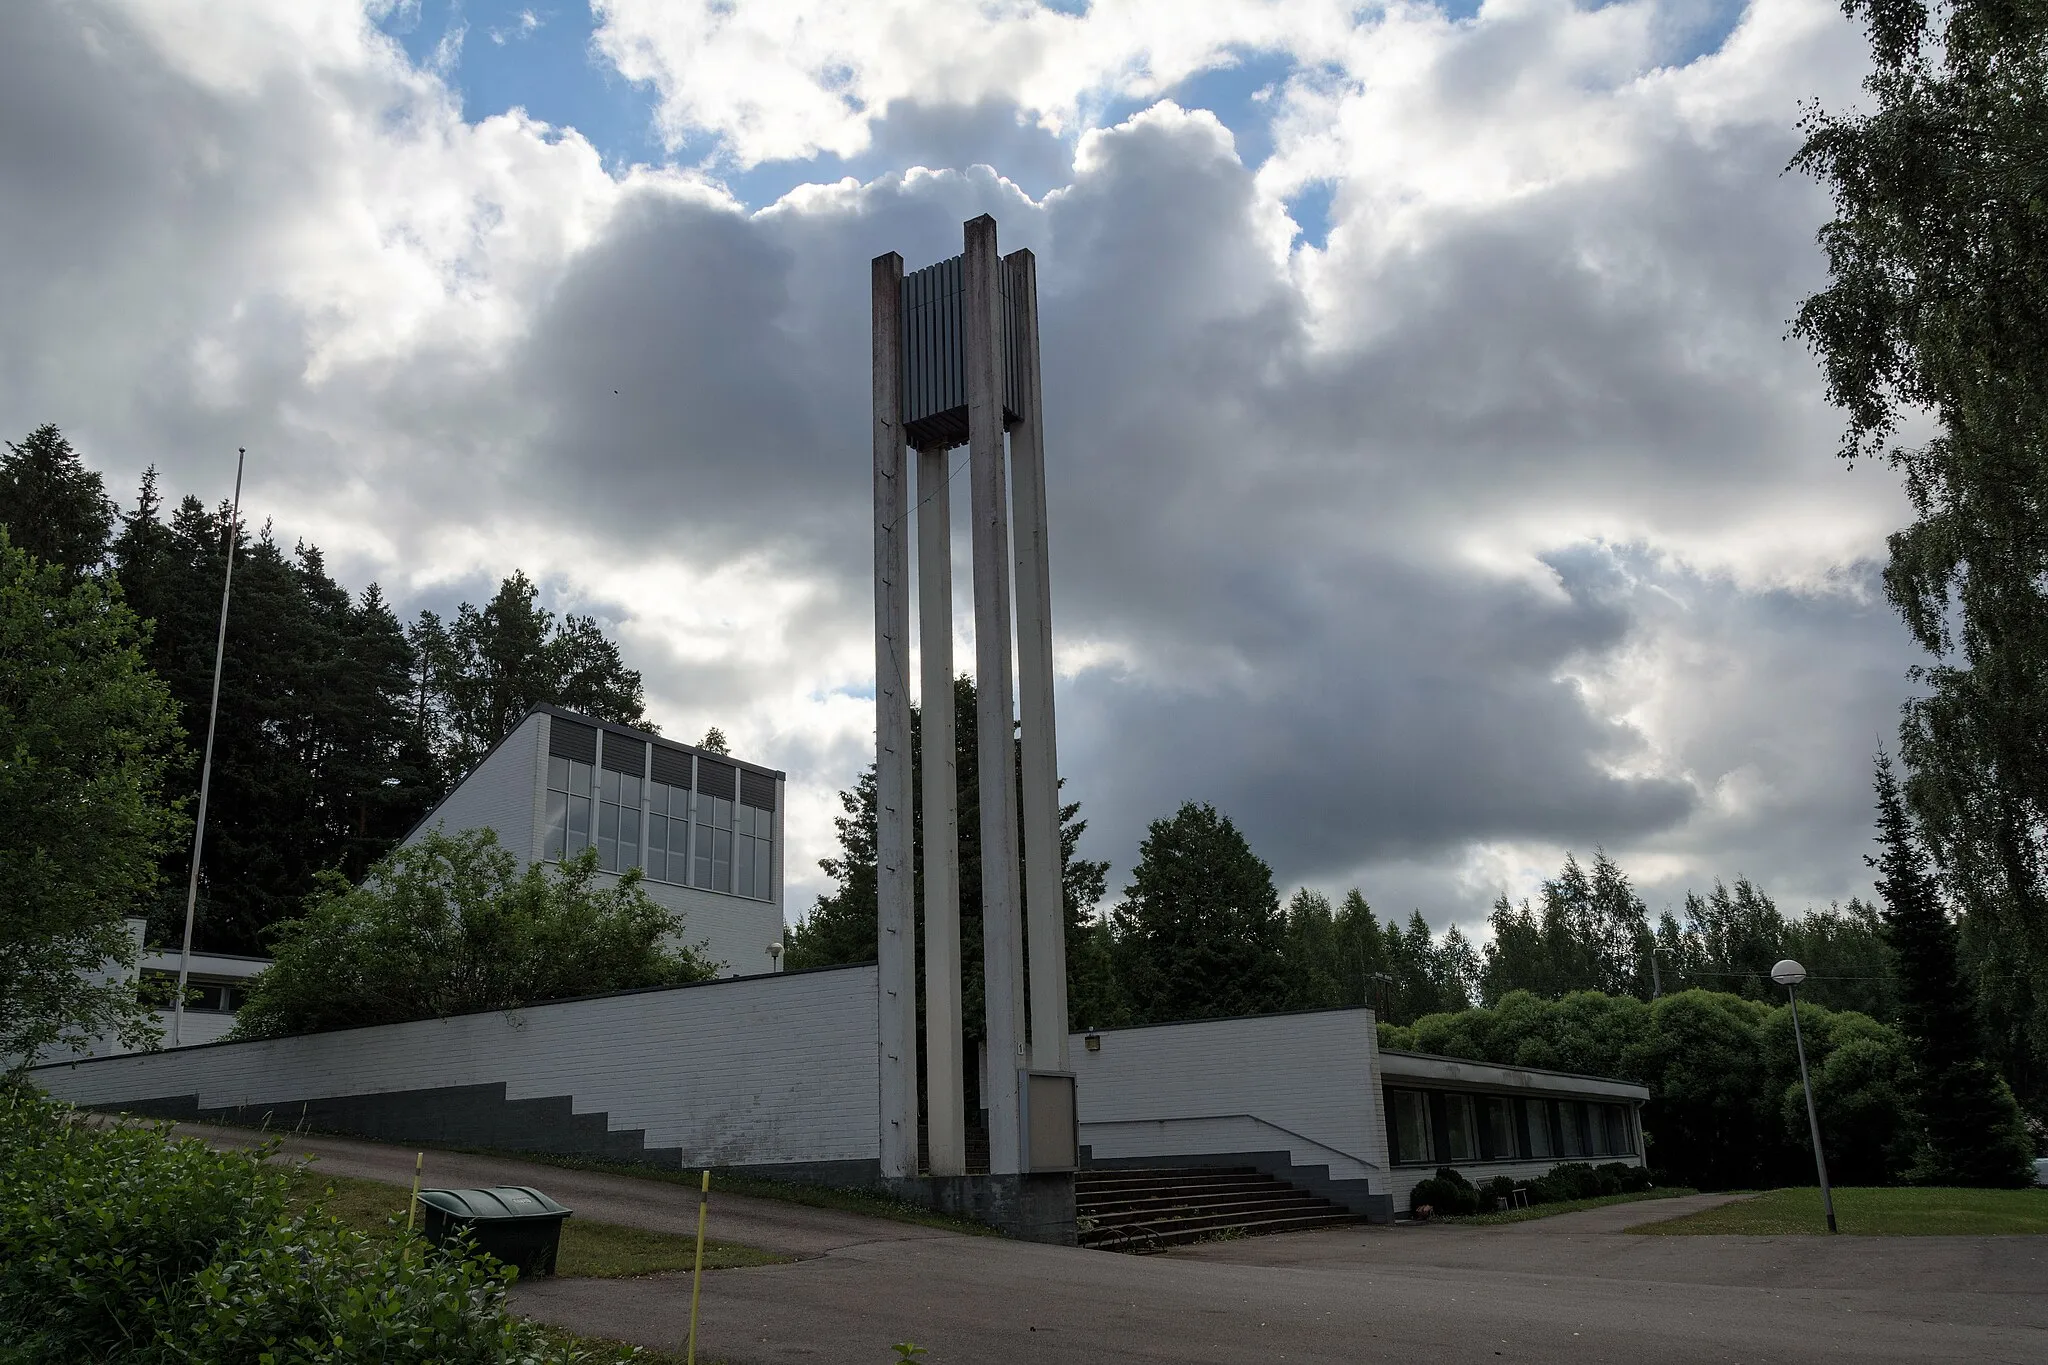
x=1504, y=522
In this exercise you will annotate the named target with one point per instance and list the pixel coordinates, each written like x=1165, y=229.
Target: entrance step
x=1147, y=1210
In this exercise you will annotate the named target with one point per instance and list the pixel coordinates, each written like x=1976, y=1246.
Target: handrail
x=1255, y=1118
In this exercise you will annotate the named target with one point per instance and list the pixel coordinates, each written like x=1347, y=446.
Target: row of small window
x=208, y=996
x=719, y=845
x=1442, y=1127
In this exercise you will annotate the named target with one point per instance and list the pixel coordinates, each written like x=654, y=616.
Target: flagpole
x=220, y=646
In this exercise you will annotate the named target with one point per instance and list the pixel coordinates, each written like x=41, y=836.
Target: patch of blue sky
x=502, y=54
x=1310, y=210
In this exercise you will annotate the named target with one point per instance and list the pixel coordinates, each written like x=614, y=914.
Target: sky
x=1434, y=487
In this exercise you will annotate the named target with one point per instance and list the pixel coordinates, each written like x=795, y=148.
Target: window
x=1461, y=1134
x=1571, y=1127
x=618, y=821
x=716, y=788
x=1620, y=1141
x=1497, y=1128
x=668, y=833
x=753, y=834
x=1540, y=1145
x=568, y=807
x=1409, y=1127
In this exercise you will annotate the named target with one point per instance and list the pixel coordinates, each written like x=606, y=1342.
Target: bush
x=1447, y=1192
x=1496, y=1193
x=125, y=1245
x=454, y=924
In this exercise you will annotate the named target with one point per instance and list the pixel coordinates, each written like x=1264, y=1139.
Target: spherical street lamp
x=1789, y=974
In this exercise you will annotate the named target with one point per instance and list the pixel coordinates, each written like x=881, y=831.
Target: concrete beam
x=946, y=1147
x=1002, y=927
x=1044, y=894
x=895, y=912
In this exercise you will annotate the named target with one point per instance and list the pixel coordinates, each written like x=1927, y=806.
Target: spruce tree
x=1200, y=934
x=1972, y=1126
x=53, y=507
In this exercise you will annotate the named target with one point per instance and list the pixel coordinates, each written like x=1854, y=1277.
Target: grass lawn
x=1871, y=1212
x=602, y=1250
x=865, y=1202
x=1483, y=1220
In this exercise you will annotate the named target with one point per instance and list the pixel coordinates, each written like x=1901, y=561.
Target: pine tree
x=1974, y=1133
x=494, y=663
x=841, y=926
x=53, y=507
x=1199, y=934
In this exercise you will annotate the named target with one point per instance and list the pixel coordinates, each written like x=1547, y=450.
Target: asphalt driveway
x=1575, y=1288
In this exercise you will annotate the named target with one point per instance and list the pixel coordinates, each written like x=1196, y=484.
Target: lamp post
x=1789, y=974
x=775, y=956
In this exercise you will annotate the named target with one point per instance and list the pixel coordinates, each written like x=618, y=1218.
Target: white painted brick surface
x=1302, y=1083
x=738, y=930
x=745, y=1071
x=499, y=795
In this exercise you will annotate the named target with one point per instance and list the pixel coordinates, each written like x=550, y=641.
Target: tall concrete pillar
x=1044, y=896
x=946, y=1147
x=995, y=750
x=896, y=925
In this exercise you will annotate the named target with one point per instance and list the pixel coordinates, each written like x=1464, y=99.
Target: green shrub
x=125, y=1245
x=1447, y=1192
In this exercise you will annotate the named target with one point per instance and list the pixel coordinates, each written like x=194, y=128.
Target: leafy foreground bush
x=1449, y=1194
x=121, y=1244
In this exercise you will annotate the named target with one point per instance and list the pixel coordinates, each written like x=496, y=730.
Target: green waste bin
x=515, y=1223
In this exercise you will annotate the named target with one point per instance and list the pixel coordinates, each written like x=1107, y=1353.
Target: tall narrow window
x=618, y=803
x=716, y=789
x=1410, y=1128
x=1571, y=1128
x=1498, y=1128
x=754, y=837
x=572, y=755
x=668, y=817
x=1540, y=1145
x=568, y=808
x=1460, y=1133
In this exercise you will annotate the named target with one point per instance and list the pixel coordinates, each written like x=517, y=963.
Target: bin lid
x=496, y=1204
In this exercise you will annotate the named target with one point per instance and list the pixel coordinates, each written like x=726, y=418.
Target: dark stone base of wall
x=1031, y=1208
x=1356, y=1196
x=481, y=1116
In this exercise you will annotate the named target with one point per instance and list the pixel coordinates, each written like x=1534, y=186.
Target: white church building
x=705, y=829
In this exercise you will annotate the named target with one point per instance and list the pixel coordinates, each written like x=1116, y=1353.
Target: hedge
x=121, y=1243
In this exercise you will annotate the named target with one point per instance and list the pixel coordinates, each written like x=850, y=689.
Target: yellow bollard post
x=697, y=1276
x=419, y=1164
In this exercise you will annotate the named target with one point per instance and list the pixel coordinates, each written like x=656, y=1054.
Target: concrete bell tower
x=956, y=363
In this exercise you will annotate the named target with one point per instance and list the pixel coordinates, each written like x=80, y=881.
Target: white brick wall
x=500, y=794
x=745, y=1071
x=738, y=930
x=1301, y=1083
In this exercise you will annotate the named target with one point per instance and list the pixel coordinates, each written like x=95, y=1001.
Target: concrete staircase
x=1145, y=1210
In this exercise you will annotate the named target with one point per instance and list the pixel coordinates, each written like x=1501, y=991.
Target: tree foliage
x=54, y=508
x=1199, y=932
x=1726, y=1109
x=841, y=925
x=85, y=737
x=486, y=669
x=453, y=924
x=317, y=761
x=338, y=727
x=1937, y=310
x=1972, y=1131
